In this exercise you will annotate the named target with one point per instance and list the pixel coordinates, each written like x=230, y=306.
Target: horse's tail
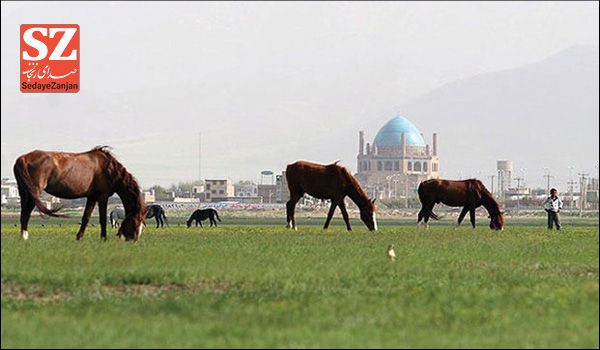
x=424, y=204
x=217, y=215
x=165, y=218
x=28, y=188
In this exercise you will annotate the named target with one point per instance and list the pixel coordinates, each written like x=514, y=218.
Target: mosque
x=397, y=160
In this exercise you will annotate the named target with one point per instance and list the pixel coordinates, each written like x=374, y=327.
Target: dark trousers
x=553, y=219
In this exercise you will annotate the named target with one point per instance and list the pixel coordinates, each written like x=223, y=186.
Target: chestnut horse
x=327, y=182
x=469, y=194
x=95, y=175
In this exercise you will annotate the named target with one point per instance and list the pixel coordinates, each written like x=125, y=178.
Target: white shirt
x=553, y=204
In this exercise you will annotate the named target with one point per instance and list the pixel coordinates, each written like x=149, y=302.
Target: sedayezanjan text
x=49, y=86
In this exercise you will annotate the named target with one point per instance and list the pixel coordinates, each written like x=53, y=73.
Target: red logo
x=49, y=58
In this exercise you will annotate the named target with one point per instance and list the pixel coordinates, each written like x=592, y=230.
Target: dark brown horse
x=469, y=194
x=95, y=175
x=327, y=182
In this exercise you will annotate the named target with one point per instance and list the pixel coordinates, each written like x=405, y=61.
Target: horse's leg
x=27, y=205
x=472, y=214
x=89, y=208
x=461, y=216
x=215, y=221
x=291, y=208
x=330, y=214
x=428, y=211
x=421, y=217
x=345, y=214
x=102, y=207
x=157, y=221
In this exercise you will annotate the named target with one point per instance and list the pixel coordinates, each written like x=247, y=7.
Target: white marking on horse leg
x=419, y=224
x=427, y=226
x=375, y=221
x=25, y=235
x=140, y=230
x=289, y=224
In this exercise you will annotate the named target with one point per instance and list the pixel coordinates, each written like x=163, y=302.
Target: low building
x=219, y=188
x=245, y=189
x=10, y=192
x=148, y=196
x=268, y=193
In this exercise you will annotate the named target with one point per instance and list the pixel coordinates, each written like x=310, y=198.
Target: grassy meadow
x=252, y=283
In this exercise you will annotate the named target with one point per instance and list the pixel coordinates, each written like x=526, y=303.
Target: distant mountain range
x=547, y=108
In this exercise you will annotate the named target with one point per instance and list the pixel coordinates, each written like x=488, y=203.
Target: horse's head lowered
x=132, y=226
x=497, y=221
x=367, y=214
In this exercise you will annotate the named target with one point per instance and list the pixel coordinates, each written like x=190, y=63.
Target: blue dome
x=390, y=135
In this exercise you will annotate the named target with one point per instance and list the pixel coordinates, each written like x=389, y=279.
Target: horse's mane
x=352, y=180
x=486, y=196
x=122, y=180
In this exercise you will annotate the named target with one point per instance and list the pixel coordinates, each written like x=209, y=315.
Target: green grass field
x=252, y=283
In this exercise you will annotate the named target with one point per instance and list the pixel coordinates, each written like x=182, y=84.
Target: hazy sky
x=265, y=83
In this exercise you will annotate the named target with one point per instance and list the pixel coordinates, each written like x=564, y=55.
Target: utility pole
x=406, y=193
x=548, y=178
x=571, y=184
x=199, y=166
x=583, y=191
x=519, y=179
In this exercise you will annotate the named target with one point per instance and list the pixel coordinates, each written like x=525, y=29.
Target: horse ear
x=373, y=200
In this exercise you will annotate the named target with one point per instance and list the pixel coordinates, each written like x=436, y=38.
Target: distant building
x=505, y=169
x=10, y=192
x=197, y=190
x=245, y=189
x=149, y=196
x=397, y=161
x=268, y=193
x=220, y=188
x=281, y=188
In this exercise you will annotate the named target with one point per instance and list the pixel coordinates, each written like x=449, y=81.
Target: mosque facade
x=397, y=160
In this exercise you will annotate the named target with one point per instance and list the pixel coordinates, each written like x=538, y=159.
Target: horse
x=332, y=182
x=469, y=194
x=204, y=214
x=95, y=175
x=115, y=216
x=158, y=213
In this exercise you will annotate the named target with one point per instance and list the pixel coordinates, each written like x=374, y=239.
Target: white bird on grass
x=391, y=253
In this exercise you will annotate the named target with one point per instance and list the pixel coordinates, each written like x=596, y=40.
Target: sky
x=268, y=83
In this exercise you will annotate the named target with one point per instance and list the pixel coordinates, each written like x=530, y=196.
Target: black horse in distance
x=203, y=214
x=158, y=213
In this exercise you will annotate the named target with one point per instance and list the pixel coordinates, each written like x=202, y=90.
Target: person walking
x=553, y=205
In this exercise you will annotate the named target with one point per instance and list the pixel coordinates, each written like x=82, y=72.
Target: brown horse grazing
x=327, y=182
x=469, y=194
x=95, y=175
